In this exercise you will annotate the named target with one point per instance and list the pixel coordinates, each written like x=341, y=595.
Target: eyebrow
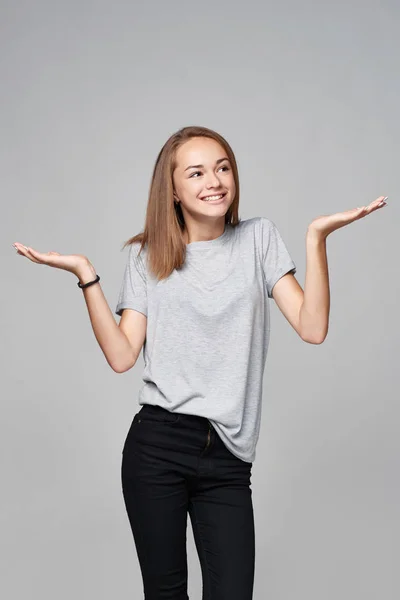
x=202, y=166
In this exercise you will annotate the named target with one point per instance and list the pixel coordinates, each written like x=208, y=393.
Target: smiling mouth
x=214, y=198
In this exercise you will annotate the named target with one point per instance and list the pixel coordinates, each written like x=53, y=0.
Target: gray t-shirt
x=208, y=328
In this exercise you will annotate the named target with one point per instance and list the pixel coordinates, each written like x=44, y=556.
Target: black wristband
x=85, y=285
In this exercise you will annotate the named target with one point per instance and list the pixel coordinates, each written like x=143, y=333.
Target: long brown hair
x=164, y=223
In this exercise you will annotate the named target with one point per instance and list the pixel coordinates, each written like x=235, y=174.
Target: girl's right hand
x=74, y=263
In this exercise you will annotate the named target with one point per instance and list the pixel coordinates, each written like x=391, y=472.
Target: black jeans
x=174, y=464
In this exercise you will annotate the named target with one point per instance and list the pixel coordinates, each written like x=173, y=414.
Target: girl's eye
x=198, y=172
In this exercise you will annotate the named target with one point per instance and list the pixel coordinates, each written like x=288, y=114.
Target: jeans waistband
x=193, y=421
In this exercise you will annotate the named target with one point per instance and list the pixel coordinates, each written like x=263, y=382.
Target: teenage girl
x=195, y=298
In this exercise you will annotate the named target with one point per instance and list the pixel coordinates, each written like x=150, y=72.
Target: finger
x=42, y=257
x=377, y=207
x=18, y=246
x=378, y=201
x=34, y=255
x=24, y=251
x=51, y=259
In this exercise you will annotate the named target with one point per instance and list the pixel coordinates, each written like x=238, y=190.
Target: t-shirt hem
x=289, y=268
x=139, y=305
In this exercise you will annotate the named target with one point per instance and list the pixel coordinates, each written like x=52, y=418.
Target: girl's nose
x=213, y=182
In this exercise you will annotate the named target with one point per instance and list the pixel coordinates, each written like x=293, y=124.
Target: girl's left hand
x=324, y=225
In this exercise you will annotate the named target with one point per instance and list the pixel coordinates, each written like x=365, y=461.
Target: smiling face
x=203, y=180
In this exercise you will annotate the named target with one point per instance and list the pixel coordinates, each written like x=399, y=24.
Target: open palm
x=67, y=262
x=324, y=225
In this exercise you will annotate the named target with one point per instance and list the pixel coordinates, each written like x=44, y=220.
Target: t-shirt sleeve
x=277, y=261
x=133, y=292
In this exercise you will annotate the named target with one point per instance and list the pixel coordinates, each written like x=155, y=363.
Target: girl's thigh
x=223, y=528
x=156, y=501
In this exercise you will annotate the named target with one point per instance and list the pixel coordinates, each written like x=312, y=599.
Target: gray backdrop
x=308, y=95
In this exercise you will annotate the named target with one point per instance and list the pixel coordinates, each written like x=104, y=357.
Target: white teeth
x=212, y=198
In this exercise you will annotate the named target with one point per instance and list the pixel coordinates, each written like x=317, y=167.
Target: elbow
x=117, y=369
x=121, y=368
x=315, y=337
x=315, y=341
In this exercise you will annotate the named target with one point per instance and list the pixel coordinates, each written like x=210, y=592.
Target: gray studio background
x=307, y=94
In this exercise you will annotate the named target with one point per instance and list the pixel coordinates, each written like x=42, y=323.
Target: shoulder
x=255, y=232
x=268, y=235
x=135, y=252
x=265, y=224
x=260, y=227
x=137, y=257
x=253, y=225
x=257, y=223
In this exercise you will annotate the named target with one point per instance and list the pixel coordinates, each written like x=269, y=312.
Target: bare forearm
x=314, y=312
x=111, y=338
